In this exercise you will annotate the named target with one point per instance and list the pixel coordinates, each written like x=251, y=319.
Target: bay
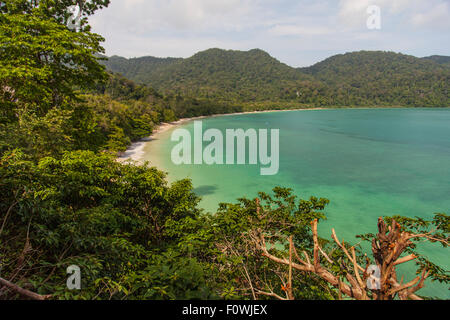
x=368, y=162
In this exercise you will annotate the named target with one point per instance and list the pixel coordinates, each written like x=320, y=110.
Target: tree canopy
x=254, y=78
x=66, y=200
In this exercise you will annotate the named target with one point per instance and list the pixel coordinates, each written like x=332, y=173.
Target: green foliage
x=43, y=136
x=215, y=74
x=138, y=69
x=122, y=224
x=118, y=141
x=381, y=78
x=444, y=60
x=280, y=216
x=64, y=201
x=440, y=224
x=169, y=107
x=117, y=124
x=54, y=9
x=255, y=78
x=440, y=228
x=42, y=63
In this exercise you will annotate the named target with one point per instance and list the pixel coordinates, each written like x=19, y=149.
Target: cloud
x=423, y=13
x=437, y=16
x=297, y=30
x=168, y=46
x=144, y=16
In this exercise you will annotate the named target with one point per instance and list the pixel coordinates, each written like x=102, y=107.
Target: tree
x=130, y=232
x=42, y=63
x=279, y=216
x=388, y=246
x=43, y=66
x=56, y=9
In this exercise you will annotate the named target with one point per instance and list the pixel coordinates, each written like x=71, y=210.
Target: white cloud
x=170, y=46
x=144, y=16
x=297, y=30
x=173, y=27
x=424, y=13
x=437, y=16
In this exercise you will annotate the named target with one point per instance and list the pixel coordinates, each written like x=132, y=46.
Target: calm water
x=369, y=163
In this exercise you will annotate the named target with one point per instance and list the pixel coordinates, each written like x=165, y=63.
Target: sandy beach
x=136, y=152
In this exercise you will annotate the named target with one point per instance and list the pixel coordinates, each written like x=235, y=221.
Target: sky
x=296, y=32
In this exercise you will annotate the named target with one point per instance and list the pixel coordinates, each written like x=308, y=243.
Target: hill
x=364, y=78
x=384, y=77
x=445, y=60
x=215, y=73
x=237, y=75
x=141, y=70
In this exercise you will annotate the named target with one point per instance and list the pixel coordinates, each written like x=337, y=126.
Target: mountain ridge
x=353, y=78
x=439, y=59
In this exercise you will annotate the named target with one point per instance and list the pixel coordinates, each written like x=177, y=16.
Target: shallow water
x=368, y=162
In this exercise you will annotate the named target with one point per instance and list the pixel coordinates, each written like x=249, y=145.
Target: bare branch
x=362, y=285
x=405, y=259
x=289, y=285
x=23, y=292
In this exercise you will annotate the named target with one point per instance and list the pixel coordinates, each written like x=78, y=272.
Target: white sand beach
x=136, y=152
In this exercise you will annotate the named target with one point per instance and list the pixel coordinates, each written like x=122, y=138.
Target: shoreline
x=135, y=151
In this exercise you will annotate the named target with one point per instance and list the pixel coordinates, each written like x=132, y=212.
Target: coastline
x=135, y=151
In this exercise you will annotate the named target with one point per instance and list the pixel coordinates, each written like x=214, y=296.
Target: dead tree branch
x=387, y=248
x=23, y=292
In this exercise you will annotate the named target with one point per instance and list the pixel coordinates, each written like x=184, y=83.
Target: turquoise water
x=369, y=163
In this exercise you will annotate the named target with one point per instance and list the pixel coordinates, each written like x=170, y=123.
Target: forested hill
x=445, y=60
x=227, y=74
x=372, y=66
x=141, y=70
x=359, y=78
x=385, y=76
